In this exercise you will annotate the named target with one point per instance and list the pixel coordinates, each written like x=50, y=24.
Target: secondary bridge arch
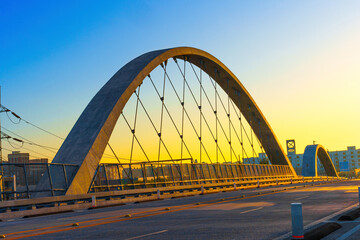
x=88, y=139
x=311, y=154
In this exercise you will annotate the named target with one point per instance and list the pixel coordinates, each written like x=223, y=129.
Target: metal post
x=359, y=195
x=297, y=221
x=234, y=186
x=26, y=182
x=158, y=194
x=50, y=180
x=202, y=189
x=106, y=178
x=202, y=171
x=120, y=180
x=65, y=177
x=14, y=186
x=93, y=201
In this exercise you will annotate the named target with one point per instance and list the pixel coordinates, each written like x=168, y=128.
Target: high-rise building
x=15, y=159
x=21, y=165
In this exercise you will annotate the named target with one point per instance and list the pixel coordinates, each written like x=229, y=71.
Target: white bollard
x=258, y=184
x=277, y=183
x=158, y=194
x=297, y=221
x=202, y=189
x=290, y=180
x=93, y=201
x=234, y=186
x=303, y=179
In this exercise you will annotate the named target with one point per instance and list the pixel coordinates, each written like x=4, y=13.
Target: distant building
x=16, y=158
x=343, y=160
x=257, y=160
x=20, y=166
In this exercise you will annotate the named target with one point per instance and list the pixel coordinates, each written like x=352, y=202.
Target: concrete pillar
x=297, y=221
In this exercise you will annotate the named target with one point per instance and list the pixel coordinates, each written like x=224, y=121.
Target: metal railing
x=21, y=180
x=113, y=177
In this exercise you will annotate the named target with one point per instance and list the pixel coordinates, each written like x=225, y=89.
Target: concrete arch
x=311, y=153
x=87, y=140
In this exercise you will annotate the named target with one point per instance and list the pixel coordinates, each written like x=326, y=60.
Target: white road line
x=251, y=210
x=287, y=235
x=301, y=198
x=145, y=235
x=349, y=233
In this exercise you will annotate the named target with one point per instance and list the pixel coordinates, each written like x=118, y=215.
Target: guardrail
x=112, y=177
x=20, y=180
x=49, y=205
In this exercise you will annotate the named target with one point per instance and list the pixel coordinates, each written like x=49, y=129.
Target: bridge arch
x=311, y=154
x=88, y=139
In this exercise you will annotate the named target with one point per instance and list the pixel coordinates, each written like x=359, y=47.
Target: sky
x=300, y=60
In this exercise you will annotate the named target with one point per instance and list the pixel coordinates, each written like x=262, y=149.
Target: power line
x=31, y=142
x=29, y=151
x=5, y=109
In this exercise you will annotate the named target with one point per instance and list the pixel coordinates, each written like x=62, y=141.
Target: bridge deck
x=226, y=215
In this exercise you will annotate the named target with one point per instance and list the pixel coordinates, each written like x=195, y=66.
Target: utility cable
x=4, y=109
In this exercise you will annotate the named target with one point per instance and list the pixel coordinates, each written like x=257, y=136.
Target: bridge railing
x=112, y=177
x=20, y=180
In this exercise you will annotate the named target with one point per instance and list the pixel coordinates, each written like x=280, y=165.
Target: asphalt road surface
x=241, y=214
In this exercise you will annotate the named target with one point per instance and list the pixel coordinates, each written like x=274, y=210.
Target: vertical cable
x=162, y=109
x=200, y=106
x=183, y=111
x=133, y=129
x=228, y=114
x=216, y=119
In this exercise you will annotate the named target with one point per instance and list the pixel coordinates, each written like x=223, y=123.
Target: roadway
x=243, y=214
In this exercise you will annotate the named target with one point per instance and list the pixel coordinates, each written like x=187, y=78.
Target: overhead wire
x=22, y=119
x=27, y=141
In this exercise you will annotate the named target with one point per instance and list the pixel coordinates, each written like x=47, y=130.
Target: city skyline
x=300, y=62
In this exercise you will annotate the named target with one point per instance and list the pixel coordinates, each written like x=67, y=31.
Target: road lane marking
x=251, y=210
x=301, y=197
x=145, y=235
x=349, y=233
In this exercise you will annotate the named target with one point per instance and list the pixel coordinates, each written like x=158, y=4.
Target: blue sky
x=55, y=56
